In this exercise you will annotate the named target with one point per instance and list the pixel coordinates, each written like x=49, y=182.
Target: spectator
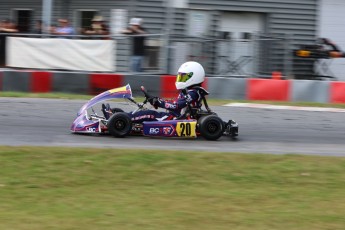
x=98, y=27
x=138, y=44
x=6, y=26
x=52, y=28
x=38, y=28
x=63, y=28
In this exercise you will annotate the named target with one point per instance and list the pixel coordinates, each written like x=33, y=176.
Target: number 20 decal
x=186, y=129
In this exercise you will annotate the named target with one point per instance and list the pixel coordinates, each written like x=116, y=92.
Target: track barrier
x=41, y=82
x=102, y=82
x=267, y=89
x=168, y=86
x=337, y=92
x=164, y=86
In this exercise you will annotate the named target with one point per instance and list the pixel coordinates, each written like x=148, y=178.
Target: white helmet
x=189, y=73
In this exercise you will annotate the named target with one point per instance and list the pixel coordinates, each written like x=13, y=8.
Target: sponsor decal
x=167, y=130
x=143, y=117
x=170, y=106
x=91, y=129
x=154, y=131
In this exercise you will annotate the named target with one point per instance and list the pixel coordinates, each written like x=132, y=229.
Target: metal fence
x=256, y=55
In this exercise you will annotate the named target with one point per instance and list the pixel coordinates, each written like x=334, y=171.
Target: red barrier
x=102, y=82
x=337, y=94
x=168, y=88
x=268, y=89
x=41, y=82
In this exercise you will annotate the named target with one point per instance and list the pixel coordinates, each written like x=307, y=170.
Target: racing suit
x=174, y=108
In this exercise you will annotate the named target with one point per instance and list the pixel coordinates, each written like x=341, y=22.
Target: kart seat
x=198, y=112
x=203, y=93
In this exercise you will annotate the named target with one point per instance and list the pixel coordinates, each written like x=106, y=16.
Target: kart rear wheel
x=211, y=127
x=120, y=124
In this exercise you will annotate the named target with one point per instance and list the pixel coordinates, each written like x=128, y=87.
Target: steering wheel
x=147, y=96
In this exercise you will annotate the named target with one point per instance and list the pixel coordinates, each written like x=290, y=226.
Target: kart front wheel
x=211, y=127
x=120, y=124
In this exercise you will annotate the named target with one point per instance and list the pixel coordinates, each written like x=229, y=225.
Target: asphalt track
x=46, y=122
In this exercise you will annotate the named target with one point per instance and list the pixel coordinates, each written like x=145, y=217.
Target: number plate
x=186, y=129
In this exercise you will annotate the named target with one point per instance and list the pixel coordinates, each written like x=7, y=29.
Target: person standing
x=38, y=28
x=6, y=27
x=98, y=27
x=63, y=29
x=138, y=43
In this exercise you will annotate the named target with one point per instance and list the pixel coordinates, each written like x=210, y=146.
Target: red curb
x=41, y=82
x=268, y=89
x=102, y=82
x=337, y=94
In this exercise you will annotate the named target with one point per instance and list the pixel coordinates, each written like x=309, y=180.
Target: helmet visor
x=183, y=77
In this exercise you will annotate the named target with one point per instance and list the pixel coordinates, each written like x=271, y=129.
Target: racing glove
x=154, y=101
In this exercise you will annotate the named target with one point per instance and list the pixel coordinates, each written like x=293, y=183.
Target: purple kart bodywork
x=85, y=124
x=122, y=92
x=82, y=124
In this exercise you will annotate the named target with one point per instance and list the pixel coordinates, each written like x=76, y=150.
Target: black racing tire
x=211, y=127
x=116, y=110
x=120, y=124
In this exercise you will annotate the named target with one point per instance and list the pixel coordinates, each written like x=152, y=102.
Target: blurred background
x=230, y=38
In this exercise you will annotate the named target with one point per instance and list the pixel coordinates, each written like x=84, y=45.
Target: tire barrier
x=270, y=90
x=311, y=91
x=151, y=83
x=337, y=92
x=16, y=81
x=168, y=86
x=41, y=82
x=78, y=83
x=102, y=82
x=225, y=88
x=164, y=86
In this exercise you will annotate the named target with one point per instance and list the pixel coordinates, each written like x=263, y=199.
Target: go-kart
x=117, y=122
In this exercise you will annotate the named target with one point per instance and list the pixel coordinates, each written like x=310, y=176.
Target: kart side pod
x=211, y=127
x=170, y=128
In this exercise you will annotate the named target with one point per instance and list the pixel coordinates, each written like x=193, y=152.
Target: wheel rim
x=120, y=124
x=212, y=127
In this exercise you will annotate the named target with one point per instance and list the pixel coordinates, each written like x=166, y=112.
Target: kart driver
x=190, y=76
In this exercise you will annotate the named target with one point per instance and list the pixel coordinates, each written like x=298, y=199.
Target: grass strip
x=76, y=188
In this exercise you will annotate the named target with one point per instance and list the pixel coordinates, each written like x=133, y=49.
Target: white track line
x=300, y=108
